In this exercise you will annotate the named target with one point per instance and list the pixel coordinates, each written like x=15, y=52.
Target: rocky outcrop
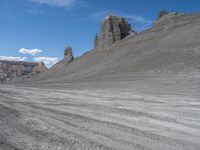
x=68, y=58
x=39, y=68
x=166, y=18
x=68, y=54
x=162, y=13
x=10, y=70
x=113, y=29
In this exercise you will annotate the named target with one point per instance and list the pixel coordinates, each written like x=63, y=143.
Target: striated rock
x=68, y=54
x=10, y=70
x=113, y=29
x=39, y=68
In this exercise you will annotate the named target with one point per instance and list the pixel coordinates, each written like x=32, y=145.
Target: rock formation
x=68, y=55
x=113, y=29
x=166, y=18
x=96, y=41
x=164, y=48
x=39, y=68
x=162, y=13
x=68, y=58
x=10, y=70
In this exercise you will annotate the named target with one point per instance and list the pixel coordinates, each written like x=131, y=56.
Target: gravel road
x=45, y=118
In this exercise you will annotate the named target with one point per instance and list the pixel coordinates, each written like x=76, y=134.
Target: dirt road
x=41, y=118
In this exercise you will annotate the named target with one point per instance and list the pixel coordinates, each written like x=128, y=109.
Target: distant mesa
x=11, y=70
x=39, y=68
x=113, y=29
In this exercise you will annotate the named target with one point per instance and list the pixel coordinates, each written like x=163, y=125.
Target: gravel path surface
x=41, y=118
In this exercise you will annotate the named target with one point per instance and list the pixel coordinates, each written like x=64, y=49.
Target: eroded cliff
x=10, y=70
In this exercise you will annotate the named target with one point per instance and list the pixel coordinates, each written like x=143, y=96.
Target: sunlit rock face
x=113, y=28
x=10, y=70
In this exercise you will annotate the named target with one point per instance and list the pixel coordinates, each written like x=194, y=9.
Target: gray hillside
x=171, y=46
x=133, y=91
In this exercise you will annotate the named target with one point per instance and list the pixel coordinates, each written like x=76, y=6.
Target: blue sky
x=39, y=30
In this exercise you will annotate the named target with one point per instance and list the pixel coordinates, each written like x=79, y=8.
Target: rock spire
x=113, y=28
x=68, y=54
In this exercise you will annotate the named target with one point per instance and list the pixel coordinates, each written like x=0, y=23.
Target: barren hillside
x=133, y=91
x=171, y=46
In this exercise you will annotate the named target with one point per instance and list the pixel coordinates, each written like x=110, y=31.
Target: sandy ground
x=95, y=118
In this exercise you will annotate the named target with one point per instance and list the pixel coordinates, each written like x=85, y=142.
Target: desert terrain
x=142, y=92
x=139, y=114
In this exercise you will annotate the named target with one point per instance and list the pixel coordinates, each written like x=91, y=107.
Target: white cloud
x=132, y=18
x=13, y=58
x=138, y=19
x=49, y=61
x=32, y=52
x=101, y=14
x=55, y=2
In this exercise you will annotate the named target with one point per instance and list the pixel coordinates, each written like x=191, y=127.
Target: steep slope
x=171, y=46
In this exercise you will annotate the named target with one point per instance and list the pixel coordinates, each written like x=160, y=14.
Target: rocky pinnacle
x=113, y=29
x=68, y=54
